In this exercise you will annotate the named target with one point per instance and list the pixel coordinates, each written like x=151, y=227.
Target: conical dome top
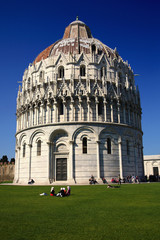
x=77, y=29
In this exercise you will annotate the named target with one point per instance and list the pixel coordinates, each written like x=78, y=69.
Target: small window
x=128, y=150
x=82, y=71
x=108, y=145
x=99, y=52
x=41, y=75
x=93, y=48
x=29, y=82
x=103, y=71
x=24, y=149
x=120, y=77
x=39, y=148
x=100, y=107
x=61, y=72
x=84, y=145
x=60, y=108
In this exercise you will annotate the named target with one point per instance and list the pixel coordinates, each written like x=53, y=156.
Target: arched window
x=82, y=71
x=93, y=48
x=41, y=76
x=29, y=82
x=39, y=148
x=108, y=145
x=103, y=71
x=84, y=145
x=120, y=77
x=24, y=149
x=60, y=108
x=61, y=72
x=100, y=108
x=128, y=150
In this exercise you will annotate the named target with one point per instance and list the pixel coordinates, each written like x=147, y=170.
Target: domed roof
x=77, y=38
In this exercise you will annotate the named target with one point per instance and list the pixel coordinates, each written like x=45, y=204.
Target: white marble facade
x=78, y=113
x=152, y=165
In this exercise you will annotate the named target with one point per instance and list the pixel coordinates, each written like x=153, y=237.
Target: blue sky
x=28, y=27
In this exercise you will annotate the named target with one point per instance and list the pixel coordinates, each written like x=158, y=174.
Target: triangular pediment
x=111, y=92
x=61, y=59
x=83, y=58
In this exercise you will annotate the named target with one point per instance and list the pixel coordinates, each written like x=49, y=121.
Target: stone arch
x=80, y=129
x=59, y=155
x=21, y=138
x=56, y=132
x=34, y=134
x=61, y=146
x=109, y=133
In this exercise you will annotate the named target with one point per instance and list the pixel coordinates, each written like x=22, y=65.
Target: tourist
x=68, y=191
x=104, y=180
x=119, y=179
x=62, y=193
x=137, y=180
x=52, y=191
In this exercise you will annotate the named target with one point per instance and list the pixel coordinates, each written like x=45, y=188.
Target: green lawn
x=91, y=212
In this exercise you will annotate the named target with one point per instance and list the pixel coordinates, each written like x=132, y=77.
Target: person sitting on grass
x=31, y=181
x=62, y=193
x=68, y=191
x=52, y=191
x=92, y=180
x=104, y=180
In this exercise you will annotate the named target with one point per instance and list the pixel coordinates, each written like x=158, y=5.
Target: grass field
x=91, y=212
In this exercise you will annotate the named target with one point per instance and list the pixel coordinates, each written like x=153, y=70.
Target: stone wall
x=7, y=172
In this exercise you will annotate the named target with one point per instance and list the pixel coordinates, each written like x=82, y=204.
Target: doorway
x=155, y=171
x=61, y=169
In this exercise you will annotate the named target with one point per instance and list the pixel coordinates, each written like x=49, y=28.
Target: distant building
x=78, y=113
x=152, y=165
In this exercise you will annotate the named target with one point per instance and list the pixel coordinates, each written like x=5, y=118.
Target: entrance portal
x=61, y=169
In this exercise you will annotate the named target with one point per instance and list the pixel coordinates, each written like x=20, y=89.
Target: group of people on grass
x=62, y=193
x=129, y=179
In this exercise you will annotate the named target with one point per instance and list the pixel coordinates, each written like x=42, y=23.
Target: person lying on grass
x=110, y=186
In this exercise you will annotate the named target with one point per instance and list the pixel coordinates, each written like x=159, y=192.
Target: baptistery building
x=78, y=113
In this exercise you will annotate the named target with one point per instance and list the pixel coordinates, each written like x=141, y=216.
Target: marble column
x=18, y=164
x=72, y=109
x=48, y=115
x=120, y=157
x=119, y=112
x=105, y=109
x=70, y=170
x=88, y=103
x=97, y=102
x=98, y=160
x=50, y=167
x=111, y=105
x=64, y=110
x=30, y=158
x=36, y=115
x=80, y=102
x=55, y=111
x=31, y=116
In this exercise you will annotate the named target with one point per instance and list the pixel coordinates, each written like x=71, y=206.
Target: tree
x=12, y=160
x=4, y=159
